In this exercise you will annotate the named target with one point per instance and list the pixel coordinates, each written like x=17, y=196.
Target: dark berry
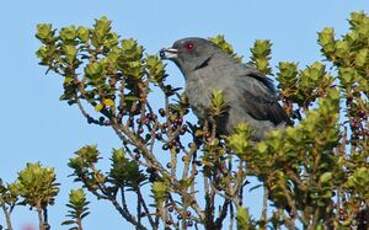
x=182, y=131
x=146, y=121
x=190, y=145
x=130, y=122
x=159, y=136
x=361, y=114
x=198, y=163
x=179, y=121
x=162, y=112
x=140, y=130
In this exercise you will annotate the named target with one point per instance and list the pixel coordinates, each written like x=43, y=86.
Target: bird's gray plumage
x=250, y=95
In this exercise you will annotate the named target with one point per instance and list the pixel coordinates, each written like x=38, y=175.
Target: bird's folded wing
x=258, y=98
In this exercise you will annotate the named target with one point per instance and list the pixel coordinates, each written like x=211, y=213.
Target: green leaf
x=36, y=185
x=78, y=207
x=83, y=34
x=243, y=219
x=108, y=102
x=70, y=53
x=218, y=103
x=240, y=140
x=68, y=34
x=77, y=197
x=84, y=157
x=362, y=57
x=155, y=68
x=327, y=41
x=160, y=191
x=68, y=222
x=45, y=33
x=326, y=177
x=261, y=54
x=130, y=59
x=93, y=70
x=99, y=107
x=100, y=31
x=220, y=41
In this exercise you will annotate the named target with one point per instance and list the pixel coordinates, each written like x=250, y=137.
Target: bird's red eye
x=189, y=46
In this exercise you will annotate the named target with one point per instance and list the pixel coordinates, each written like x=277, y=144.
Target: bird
x=250, y=96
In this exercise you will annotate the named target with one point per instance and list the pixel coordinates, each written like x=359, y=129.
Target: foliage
x=314, y=174
x=78, y=208
x=37, y=185
x=220, y=41
x=261, y=56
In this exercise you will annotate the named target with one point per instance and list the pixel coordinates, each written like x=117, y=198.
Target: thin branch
x=189, y=156
x=139, y=212
x=223, y=214
x=173, y=162
x=123, y=200
x=46, y=222
x=231, y=222
x=7, y=217
x=264, y=214
x=41, y=223
x=154, y=163
x=79, y=224
x=142, y=200
x=126, y=215
x=209, y=210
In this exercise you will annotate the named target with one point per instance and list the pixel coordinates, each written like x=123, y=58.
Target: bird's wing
x=258, y=97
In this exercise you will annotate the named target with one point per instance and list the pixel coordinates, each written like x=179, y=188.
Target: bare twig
x=126, y=215
x=41, y=222
x=7, y=217
x=264, y=211
x=223, y=214
x=231, y=222
x=155, y=164
x=147, y=211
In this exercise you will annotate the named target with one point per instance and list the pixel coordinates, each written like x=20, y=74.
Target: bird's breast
x=198, y=91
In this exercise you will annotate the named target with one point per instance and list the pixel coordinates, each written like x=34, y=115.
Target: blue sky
x=35, y=126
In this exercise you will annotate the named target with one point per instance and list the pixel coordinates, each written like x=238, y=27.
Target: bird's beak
x=168, y=53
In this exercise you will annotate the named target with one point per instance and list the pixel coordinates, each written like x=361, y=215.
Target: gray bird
x=250, y=95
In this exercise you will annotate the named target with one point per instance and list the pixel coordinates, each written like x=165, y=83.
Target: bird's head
x=190, y=54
